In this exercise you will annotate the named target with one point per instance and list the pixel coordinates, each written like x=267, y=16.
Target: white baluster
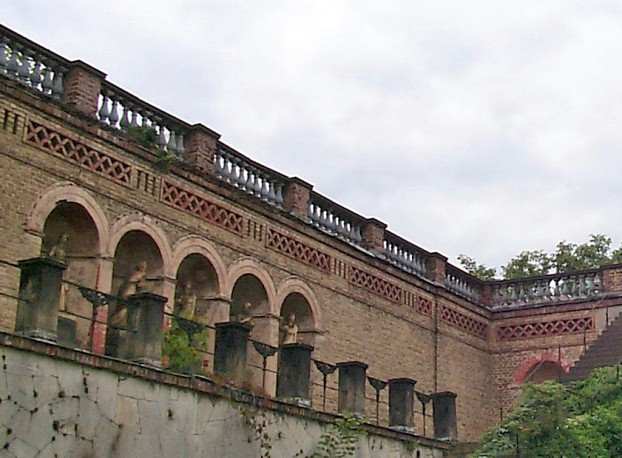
x=104, y=111
x=114, y=114
x=57, y=88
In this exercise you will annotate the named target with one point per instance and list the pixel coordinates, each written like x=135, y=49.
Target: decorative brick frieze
x=10, y=121
x=256, y=231
x=298, y=250
x=74, y=151
x=194, y=204
x=147, y=182
x=463, y=322
x=377, y=285
x=340, y=268
x=420, y=304
x=545, y=328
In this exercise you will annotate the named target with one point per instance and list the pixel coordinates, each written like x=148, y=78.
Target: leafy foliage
x=144, y=135
x=181, y=349
x=479, y=270
x=340, y=440
x=582, y=420
x=567, y=257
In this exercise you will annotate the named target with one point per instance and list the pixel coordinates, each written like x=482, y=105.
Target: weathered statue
x=290, y=330
x=58, y=251
x=245, y=316
x=187, y=302
x=135, y=283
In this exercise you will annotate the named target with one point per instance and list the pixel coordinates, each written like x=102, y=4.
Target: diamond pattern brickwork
x=74, y=151
x=298, y=250
x=375, y=284
x=194, y=204
x=545, y=328
x=464, y=322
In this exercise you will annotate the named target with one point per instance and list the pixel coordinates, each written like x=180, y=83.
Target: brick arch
x=68, y=192
x=296, y=285
x=525, y=369
x=251, y=267
x=138, y=222
x=194, y=244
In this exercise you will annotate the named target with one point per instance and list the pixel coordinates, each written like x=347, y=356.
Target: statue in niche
x=58, y=251
x=187, y=302
x=290, y=330
x=135, y=282
x=245, y=316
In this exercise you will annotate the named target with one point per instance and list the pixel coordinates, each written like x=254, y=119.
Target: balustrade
x=404, y=255
x=250, y=178
x=334, y=221
x=462, y=283
x=120, y=110
x=551, y=288
x=30, y=64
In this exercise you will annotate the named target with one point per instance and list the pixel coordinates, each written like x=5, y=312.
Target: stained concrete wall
x=51, y=406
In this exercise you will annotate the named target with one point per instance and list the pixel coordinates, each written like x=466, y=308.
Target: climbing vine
x=257, y=422
x=340, y=440
x=181, y=349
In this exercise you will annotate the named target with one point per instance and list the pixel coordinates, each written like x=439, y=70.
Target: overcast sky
x=479, y=127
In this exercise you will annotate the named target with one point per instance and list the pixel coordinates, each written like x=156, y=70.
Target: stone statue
x=290, y=330
x=59, y=249
x=245, y=316
x=187, y=302
x=135, y=283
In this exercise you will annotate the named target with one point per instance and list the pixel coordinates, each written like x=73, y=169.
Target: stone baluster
x=4, y=55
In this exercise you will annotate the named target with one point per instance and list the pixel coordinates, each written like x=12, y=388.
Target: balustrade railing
x=547, y=289
x=144, y=122
x=404, y=254
x=30, y=64
x=249, y=176
x=335, y=219
x=462, y=283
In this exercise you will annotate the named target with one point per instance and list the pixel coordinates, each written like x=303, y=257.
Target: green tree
x=582, y=420
x=479, y=270
x=527, y=264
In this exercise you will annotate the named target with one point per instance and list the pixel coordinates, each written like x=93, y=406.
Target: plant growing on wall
x=341, y=438
x=181, y=349
x=143, y=135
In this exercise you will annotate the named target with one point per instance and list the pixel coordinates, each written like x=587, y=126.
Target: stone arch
x=546, y=359
x=295, y=287
x=248, y=267
x=142, y=223
x=70, y=193
x=194, y=244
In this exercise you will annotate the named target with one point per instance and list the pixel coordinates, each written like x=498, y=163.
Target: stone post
x=230, y=350
x=401, y=403
x=209, y=312
x=296, y=198
x=437, y=264
x=39, y=294
x=445, y=420
x=373, y=235
x=294, y=376
x=200, y=144
x=612, y=278
x=145, y=318
x=352, y=378
x=82, y=86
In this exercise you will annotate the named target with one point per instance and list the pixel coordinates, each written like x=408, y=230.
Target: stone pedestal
x=401, y=403
x=39, y=293
x=352, y=379
x=145, y=318
x=231, y=349
x=296, y=198
x=294, y=376
x=445, y=420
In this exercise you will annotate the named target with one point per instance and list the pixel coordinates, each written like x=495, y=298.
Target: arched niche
x=248, y=289
x=296, y=304
x=136, y=247
x=70, y=233
x=197, y=284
